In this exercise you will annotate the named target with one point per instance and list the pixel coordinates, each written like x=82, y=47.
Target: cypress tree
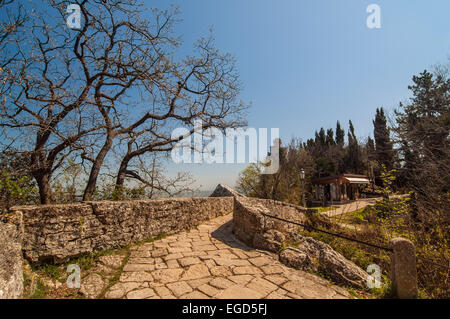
x=383, y=144
x=340, y=134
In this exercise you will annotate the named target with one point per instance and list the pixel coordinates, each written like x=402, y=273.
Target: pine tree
x=423, y=128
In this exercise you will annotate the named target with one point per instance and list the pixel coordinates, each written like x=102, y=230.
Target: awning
x=357, y=180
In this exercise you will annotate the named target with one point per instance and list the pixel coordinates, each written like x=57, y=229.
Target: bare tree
x=203, y=88
x=150, y=173
x=11, y=22
x=46, y=94
x=78, y=91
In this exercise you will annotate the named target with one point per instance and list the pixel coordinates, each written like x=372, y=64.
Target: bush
x=16, y=191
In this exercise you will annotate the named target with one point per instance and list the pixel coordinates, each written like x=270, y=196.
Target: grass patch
x=52, y=271
x=39, y=291
x=386, y=291
x=360, y=216
x=116, y=276
x=323, y=209
x=150, y=239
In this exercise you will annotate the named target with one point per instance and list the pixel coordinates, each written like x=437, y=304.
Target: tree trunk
x=120, y=180
x=95, y=170
x=41, y=169
x=45, y=190
x=121, y=174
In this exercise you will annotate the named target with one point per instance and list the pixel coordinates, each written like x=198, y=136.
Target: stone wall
x=56, y=233
x=11, y=276
x=258, y=231
x=249, y=223
x=224, y=191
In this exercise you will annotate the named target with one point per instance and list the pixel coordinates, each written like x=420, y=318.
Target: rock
x=309, y=245
x=136, y=276
x=11, y=272
x=92, y=285
x=179, y=288
x=270, y=240
x=297, y=259
x=104, y=270
x=33, y=285
x=167, y=275
x=188, y=261
x=51, y=283
x=120, y=289
x=341, y=270
x=220, y=271
x=196, y=272
x=261, y=285
x=141, y=293
x=221, y=283
x=276, y=235
x=112, y=261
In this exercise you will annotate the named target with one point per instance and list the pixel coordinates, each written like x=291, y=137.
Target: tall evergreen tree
x=353, y=161
x=351, y=132
x=322, y=138
x=370, y=149
x=330, y=137
x=383, y=144
x=340, y=134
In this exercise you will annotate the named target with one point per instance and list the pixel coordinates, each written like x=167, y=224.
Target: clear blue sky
x=306, y=63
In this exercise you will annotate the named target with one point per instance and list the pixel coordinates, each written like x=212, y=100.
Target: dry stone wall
x=258, y=231
x=11, y=276
x=55, y=233
x=250, y=224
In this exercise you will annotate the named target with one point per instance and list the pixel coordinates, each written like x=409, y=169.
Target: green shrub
x=16, y=191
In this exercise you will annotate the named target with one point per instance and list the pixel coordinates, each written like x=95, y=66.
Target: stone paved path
x=209, y=262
